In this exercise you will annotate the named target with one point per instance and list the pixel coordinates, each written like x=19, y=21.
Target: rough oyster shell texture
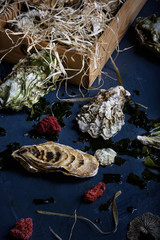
x=153, y=140
x=51, y=157
x=103, y=115
x=148, y=32
x=30, y=79
x=105, y=156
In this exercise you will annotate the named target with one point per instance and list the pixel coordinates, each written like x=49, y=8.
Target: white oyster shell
x=103, y=115
x=105, y=156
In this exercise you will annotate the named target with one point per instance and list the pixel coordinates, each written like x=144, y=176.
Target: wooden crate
x=106, y=44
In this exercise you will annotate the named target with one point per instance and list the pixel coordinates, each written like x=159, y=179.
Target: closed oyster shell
x=30, y=79
x=105, y=156
x=51, y=157
x=153, y=140
x=103, y=116
x=148, y=32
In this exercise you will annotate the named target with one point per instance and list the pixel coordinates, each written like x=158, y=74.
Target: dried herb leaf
x=150, y=163
x=111, y=178
x=149, y=175
x=106, y=206
x=38, y=109
x=2, y=132
x=136, y=180
x=61, y=110
x=6, y=161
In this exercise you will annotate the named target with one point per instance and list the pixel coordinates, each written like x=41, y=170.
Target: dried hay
x=76, y=25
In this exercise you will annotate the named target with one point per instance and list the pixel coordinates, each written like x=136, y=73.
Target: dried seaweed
x=114, y=211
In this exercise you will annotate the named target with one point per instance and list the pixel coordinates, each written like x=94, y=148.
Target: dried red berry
x=92, y=194
x=23, y=229
x=48, y=125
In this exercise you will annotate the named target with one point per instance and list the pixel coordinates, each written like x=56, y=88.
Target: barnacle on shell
x=103, y=115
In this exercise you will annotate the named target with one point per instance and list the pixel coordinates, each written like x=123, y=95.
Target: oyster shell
x=153, y=140
x=51, y=157
x=148, y=32
x=30, y=79
x=105, y=156
x=103, y=116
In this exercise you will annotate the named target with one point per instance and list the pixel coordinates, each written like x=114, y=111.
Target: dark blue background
x=139, y=70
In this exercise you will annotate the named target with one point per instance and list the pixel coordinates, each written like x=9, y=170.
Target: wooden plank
x=113, y=34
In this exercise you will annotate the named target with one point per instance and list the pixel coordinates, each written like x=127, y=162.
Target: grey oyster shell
x=52, y=157
x=103, y=115
x=105, y=156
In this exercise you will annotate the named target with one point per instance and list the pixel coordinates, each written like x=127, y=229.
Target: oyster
x=148, y=32
x=51, y=157
x=153, y=140
x=105, y=156
x=103, y=115
x=30, y=79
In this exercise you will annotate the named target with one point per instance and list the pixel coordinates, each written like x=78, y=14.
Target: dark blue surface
x=140, y=71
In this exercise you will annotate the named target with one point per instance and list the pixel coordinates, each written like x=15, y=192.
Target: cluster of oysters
x=103, y=116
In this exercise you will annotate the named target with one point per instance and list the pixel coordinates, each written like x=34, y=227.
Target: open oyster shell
x=103, y=116
x=148, y=32
x=51, y=157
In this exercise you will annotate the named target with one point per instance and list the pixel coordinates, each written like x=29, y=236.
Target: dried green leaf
x=150, y=163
